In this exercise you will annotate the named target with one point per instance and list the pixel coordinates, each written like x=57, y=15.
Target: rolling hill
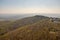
x=37, y=27
x=42, y=30
x=12, y=25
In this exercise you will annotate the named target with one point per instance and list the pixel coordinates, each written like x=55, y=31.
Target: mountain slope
x=21, y=22
x=41, y=30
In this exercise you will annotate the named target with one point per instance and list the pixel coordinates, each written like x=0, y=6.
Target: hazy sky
x=29, y=6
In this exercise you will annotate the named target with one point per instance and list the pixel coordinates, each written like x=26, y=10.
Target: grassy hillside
x=9, y=26
x=41, y=30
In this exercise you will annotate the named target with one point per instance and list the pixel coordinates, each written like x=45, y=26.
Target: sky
x=29, y=6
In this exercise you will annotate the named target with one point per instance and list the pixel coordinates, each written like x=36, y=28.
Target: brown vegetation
x=42, y=30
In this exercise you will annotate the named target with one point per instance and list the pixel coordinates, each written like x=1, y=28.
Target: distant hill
x=13, y=17
x=16, y=16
